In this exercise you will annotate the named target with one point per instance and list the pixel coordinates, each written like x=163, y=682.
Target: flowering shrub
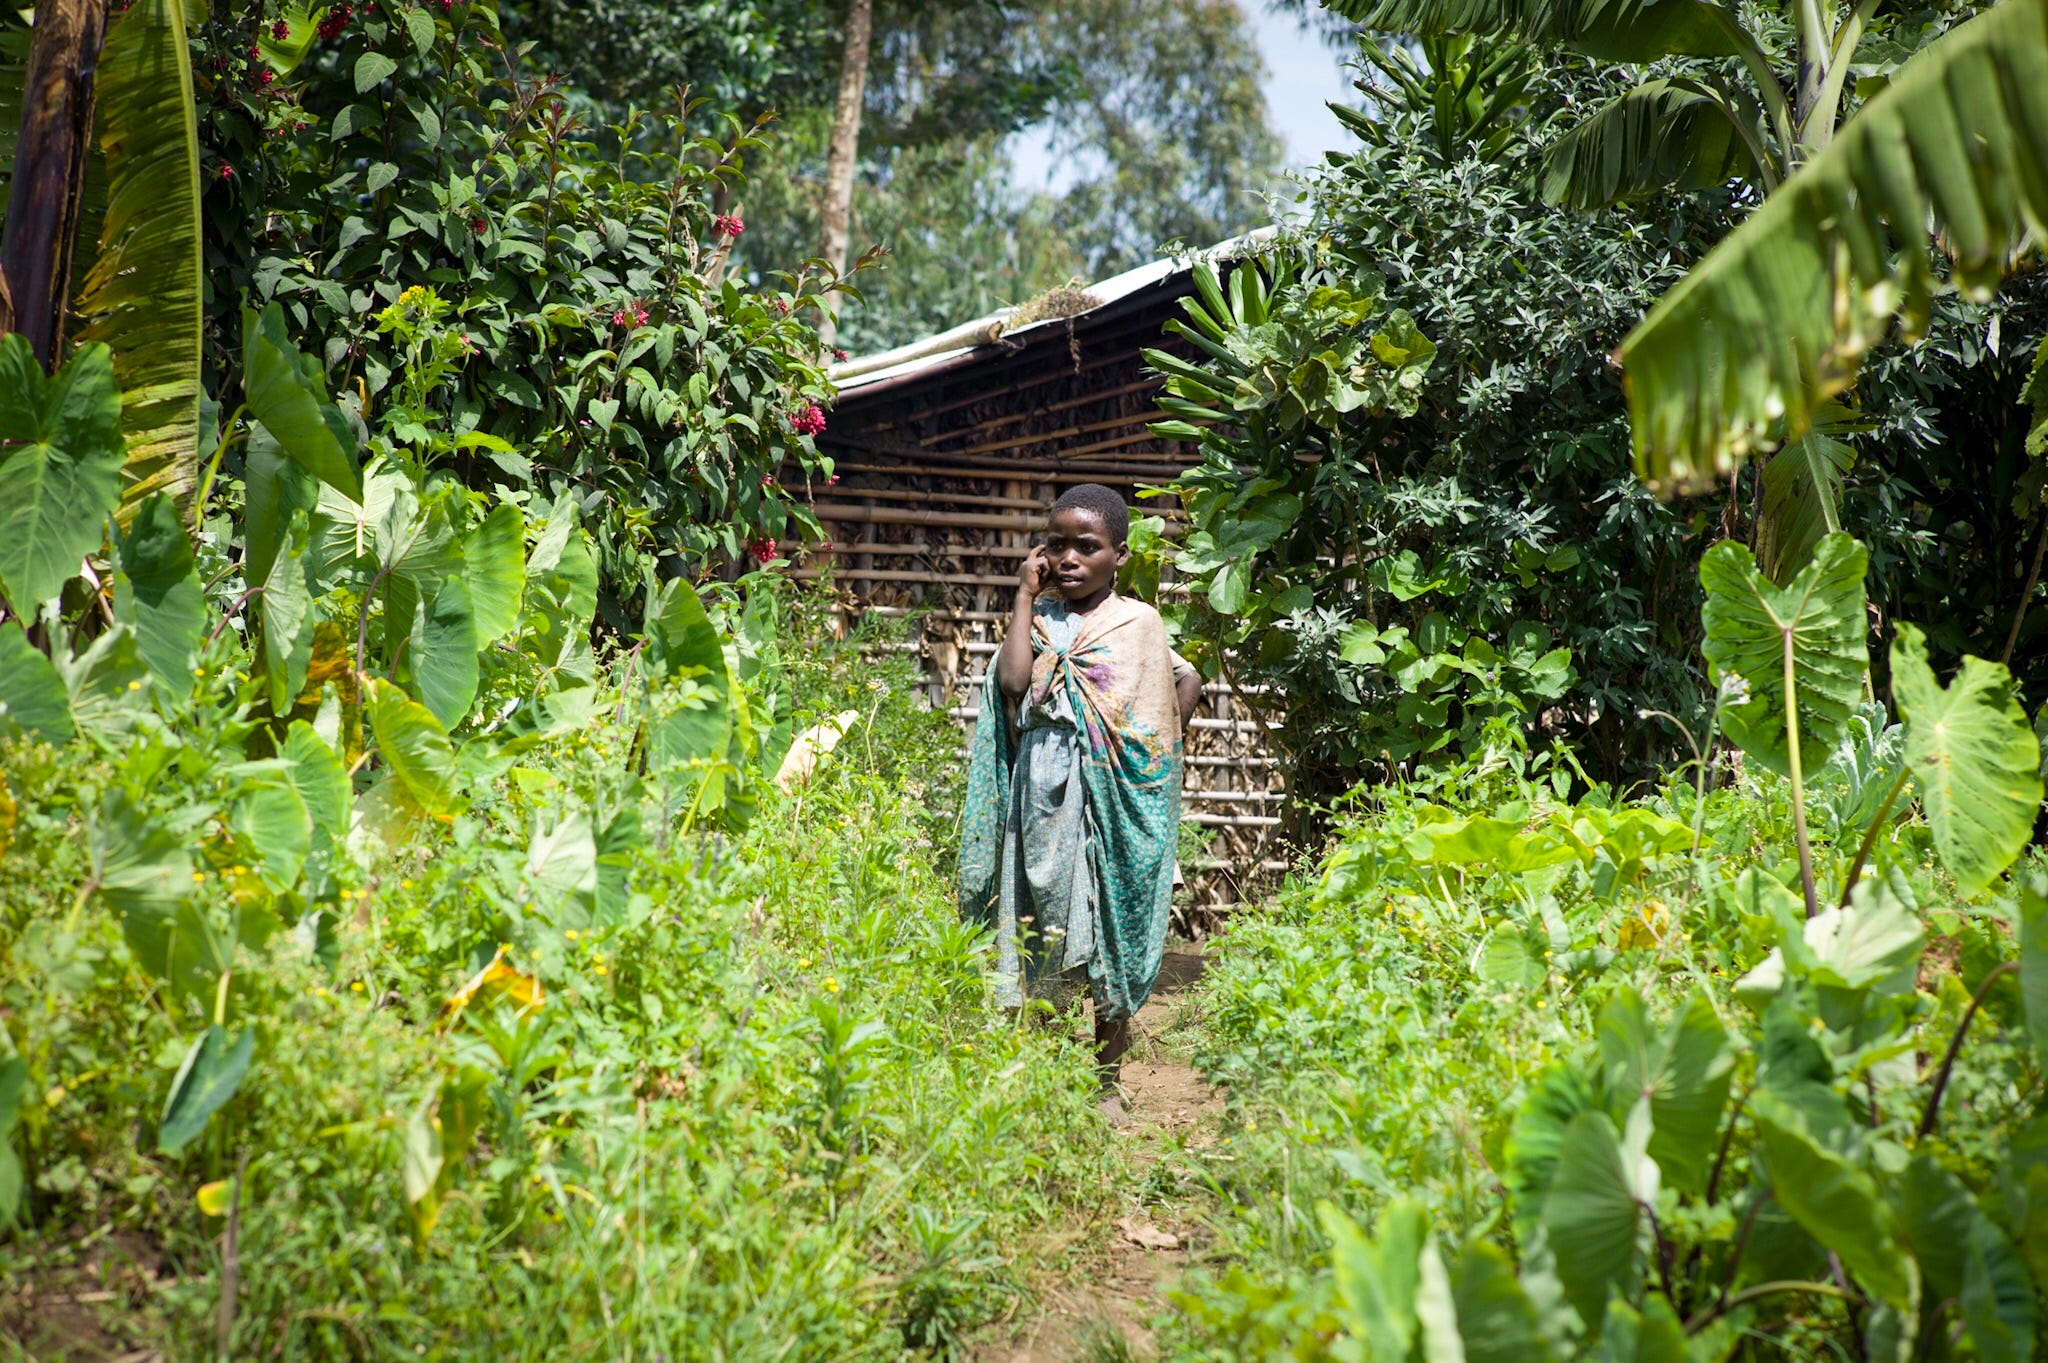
x=605, y=354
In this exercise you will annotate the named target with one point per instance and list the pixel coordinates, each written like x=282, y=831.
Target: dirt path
x=1104, y=1311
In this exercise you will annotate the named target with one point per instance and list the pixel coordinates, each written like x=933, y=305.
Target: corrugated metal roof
x=945, y=349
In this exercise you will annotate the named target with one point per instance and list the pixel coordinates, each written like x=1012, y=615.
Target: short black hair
x=1106, y=504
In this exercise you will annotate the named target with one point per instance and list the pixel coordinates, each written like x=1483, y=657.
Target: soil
x=1105, y=1310
x=91, y=1305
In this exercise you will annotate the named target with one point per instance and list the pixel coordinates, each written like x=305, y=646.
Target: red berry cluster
x=838, y=355
x=767, y=480
x=727, y=225
x=832, y=480
x=633, y=314
x=337, y=19
x=280, y=30
x=809, y=421
x=763, y=549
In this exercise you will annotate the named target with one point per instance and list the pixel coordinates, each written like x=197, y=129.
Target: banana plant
x=1949, y=156
x=107, y=97
x=1702, y=127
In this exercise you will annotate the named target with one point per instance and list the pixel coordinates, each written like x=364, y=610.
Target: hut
x=947, y=453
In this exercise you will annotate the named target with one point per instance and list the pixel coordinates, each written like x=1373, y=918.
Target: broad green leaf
x=1664, y=134
x=1973, y=760
x=1747, y=620
x=1591, y=1216
x=1802, y=497
x=272, y=821
x=443, y=653
x=2033, y=935
x=284, y=393
x=681, y=641
x=1496, y=1320
x=1652, y=1335
x=140, y=865
x=1376, y=1281
x=1964, y=1258
x=157, y=594
x=1614, y=30
x=561, y=871
x=13, y=1080
x=214, y=1068
x=285, y=614
x=1834, y=1201
x=494, y=569
x=60, y=468
x=1514, y=956
x=371, y=69
x=1936, y=1217
x=107, y=683
x=421, y=1161
x=416, y=749
x=1560, y=1094
x=273, y=488
x=321, y=780
x=1436, y=1313
x=143, y=291
x=419, y=25
x=1747, y=347
x=32, y=696
x=1684, y=1071
x=301, y=21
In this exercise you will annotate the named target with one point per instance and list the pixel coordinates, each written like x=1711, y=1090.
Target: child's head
x=1087, y=540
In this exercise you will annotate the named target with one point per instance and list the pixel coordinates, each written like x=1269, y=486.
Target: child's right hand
x=1036, y=574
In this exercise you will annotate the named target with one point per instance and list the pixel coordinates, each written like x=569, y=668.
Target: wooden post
x=49, y=171
x=836, y=211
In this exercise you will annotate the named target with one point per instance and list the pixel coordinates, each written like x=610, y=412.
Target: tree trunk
x=49, y=170
x=837, y=208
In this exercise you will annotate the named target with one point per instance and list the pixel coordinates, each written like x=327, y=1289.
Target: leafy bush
x=1628, y=1087
x=592, y=343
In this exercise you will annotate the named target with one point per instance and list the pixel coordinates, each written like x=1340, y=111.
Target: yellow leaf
x=496, y=981
x=214, y=1197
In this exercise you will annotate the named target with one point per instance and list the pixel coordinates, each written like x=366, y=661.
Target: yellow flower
x=804, y=963
x=199, y=877
x=135, y=686
x=602, y=971
x=831, y=985
x=355, y=986
x=572, y=934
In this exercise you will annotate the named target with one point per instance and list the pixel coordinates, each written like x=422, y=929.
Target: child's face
x=1082, y=556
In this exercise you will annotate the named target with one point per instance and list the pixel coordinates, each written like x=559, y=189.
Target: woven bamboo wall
x=945, y=474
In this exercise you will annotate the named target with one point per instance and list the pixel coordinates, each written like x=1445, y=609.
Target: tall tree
x=837, y=199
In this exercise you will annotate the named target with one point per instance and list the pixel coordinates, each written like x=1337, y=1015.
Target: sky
x=1302, y=76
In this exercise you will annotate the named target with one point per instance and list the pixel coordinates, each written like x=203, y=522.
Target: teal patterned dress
x=1069, y=830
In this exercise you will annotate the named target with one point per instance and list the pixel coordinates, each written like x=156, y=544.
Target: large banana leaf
x=1802, y=501
x=1775, y=320
x=1664, y=134
x=1613, y=30
x=142, y=293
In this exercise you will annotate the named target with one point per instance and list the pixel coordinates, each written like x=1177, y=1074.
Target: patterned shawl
x=1117, y=677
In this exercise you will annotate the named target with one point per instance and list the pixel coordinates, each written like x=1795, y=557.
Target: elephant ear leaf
x=143, y=290
x=416, y=748
x=60, y=468
x=1750, y=624
x=157, y=594
x=1973, y=759
x=286, y=396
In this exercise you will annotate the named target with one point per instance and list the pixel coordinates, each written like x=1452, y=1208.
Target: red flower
x=727, y=225
x=265, y=76
x=838, y=354
x=767, y=480
x=782, y=306
x=255, y=53
x=832, y=481
x=809, y=421
x=478, y=226
x=762, y=549
x=227, y=172
x=280, y=30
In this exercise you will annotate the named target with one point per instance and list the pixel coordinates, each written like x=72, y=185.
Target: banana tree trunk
x=49, y=160
x=836, y=211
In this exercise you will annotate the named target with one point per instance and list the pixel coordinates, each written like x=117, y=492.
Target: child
x=1073, y=790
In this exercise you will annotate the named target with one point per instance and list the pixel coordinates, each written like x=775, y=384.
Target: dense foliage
x=591, y=338
x=1623, y=1093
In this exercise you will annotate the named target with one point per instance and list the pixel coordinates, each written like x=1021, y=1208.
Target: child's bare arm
x=1188, y=689
x=1013, y=661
